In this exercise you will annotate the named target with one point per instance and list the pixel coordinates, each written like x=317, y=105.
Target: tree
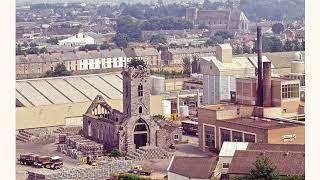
x=288, y=46
x=89, y=47
x=237, y=50
x=132, y=28
x=59, y=70
x=264, y=169
x=43, y=50
x=277, y=28
x=52, y=41
x=186, y=66
x=136, y=62
x=246, y=49
x=158, y=39
x=115, y=153
x=195, y=64
x=121, y=40
x=270, y=44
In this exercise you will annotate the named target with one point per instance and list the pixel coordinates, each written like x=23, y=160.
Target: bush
x=115, y=153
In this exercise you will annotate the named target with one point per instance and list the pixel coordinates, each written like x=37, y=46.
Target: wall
x=275, y=136
x=73, y=121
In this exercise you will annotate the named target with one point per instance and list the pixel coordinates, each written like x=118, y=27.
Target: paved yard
x=159, y=166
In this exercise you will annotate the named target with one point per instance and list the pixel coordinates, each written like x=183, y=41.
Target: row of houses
x=104, y=59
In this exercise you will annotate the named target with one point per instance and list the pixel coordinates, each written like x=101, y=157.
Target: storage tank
x=297, y=67
x=158, y=85
x=184, y=111
x=166, y=108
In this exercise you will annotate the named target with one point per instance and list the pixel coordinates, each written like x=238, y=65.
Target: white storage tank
x=184, y=111
x=166, y=108
x=158, y=85
x=297, y=67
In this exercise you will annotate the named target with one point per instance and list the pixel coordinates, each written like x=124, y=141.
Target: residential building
x=74, y=61
x=192, y=168
x=286, y=163
x=229, y=149
x=150, y=56
x=176, y=55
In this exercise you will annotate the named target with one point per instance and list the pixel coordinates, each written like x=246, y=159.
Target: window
x=140, y=90
x=123, y=64
x=225, y=135
x=290, y=91
x=88, y=66
x=225, y=165
x=51, y=68
x=249, y=138
x=176, y=137
x=112, y=65
x=236, y=136
x=82, y=61
x=140, y=109
x=209, y=136
x=117, y=64
x=94, y=66
x=69, y=67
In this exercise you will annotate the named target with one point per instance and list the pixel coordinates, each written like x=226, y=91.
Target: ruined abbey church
x=133, y=127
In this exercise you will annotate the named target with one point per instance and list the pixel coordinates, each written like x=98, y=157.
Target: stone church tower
x=136, y=91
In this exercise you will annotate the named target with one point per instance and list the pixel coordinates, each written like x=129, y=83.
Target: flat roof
x=220, y=107
x=261, y=123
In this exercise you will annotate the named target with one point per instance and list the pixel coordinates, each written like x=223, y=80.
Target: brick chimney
x=267, y=102
x=86, y=50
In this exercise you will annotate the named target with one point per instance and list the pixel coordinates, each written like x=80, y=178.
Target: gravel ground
x=158, y=166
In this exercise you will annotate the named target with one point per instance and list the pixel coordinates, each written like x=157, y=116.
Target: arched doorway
x=141, y=133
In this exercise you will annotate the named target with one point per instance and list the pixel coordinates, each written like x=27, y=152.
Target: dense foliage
x=186, y=66
x=277, y=28
x=136, y=62
x=273, y=9
x=166, y=23
x=158, y=39
x=219, y=38
x=59, y=70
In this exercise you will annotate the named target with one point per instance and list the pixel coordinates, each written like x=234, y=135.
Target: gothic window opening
x=140, y=90
x=140, y=109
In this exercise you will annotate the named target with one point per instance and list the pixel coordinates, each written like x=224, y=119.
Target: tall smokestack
x=260, y=78
x=267, y=84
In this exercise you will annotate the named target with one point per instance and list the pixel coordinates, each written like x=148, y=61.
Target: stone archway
x=141, y=134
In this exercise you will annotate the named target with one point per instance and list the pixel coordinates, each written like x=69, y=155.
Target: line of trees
x=129, y=29
x=59, y=70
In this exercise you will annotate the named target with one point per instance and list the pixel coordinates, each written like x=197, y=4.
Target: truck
x=36, y=160
x=139, y=170
x=25, y=159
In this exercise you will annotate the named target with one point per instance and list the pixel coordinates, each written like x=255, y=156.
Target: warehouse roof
x=69, y=89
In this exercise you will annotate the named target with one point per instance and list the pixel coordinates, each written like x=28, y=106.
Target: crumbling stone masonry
x=133, y=127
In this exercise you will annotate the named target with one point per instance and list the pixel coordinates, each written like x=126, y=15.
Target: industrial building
x=259, y=113
x=220, y=71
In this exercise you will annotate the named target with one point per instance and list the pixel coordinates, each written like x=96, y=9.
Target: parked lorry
x=139, y=170
x=36, y=160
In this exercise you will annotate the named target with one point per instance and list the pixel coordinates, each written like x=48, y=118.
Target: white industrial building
x=79, y=39
x=220, y=73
